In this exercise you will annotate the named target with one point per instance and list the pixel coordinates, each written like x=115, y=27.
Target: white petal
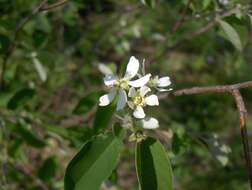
x=107, y=98
x=109, y=80
x=139, y=112
x=164, y=82
x=140, y=82
x=150, y=123
x=152, y=100
x=104, y=69
x=164, y=89
x=144, y=90
x=122, y=100
x=132, y=92
x=132, y=68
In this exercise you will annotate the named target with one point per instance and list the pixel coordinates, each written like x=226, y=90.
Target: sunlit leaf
x=206, y=3
x=151, y=3
x=250, y=18
x=232, y=34
x=39, y=68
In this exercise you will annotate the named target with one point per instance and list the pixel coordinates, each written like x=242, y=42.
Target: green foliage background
x=53, y=85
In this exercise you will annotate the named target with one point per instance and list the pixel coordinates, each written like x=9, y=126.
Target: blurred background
x=50, y=84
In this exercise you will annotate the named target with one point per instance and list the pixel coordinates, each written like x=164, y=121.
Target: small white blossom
x=119, y=85
x=224, y=2
x=139, y=101
x=161, y=83
x=137, y=90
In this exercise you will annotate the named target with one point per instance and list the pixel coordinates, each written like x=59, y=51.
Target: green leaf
x=103, y=117
x=118, y=131
x=20, y=97
x=153, y=166
x=150, y=3
x=4, y=43
x=39, y=68
x=250, y=19
x=48, y=169
x=232, y=34
x=206, y=3
x=76, y=135
x=86, y=103
x=28, y=136
x=93, y=164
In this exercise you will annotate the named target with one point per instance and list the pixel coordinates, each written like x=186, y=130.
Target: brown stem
x=243, y=116
x=212, y=89
x=53, y=6
x=182, y=19
x=41, y=7
x=234, y=90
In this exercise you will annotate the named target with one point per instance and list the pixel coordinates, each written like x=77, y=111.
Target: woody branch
x=234, y=90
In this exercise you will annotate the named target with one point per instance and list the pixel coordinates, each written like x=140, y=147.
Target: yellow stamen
x=139, y=100
x=121, y=83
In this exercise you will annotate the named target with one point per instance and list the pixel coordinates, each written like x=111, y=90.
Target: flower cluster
x=136, y=93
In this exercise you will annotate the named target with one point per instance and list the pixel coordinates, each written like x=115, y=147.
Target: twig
x=212, y=23
x=41, y=7
x=243, y=116
x=234, y=90
x=182, y=19
x=53, y=6
x=12, y=46
x=214, y=89
x=29, y=174
x=187, y=37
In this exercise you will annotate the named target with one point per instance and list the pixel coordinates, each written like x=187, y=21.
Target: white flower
x=224, y=2
x=139, y=100
x=161, y=83
x=119, y=85
x=149, y=123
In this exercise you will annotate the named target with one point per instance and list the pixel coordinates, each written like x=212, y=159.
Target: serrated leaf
x=232, y=34
x=93, y=164
x=153, y=166
x=20, y=97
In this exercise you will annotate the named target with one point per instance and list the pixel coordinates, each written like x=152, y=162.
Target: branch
x=234, y=90
x=187, y=37
x=53, y=6
x=213, y=23
x=243, y=116
x=39, y=8
x=182, y=19
x=213, y=89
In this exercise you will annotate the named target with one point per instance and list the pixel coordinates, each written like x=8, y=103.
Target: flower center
x=122, y=83
x=139, y=100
